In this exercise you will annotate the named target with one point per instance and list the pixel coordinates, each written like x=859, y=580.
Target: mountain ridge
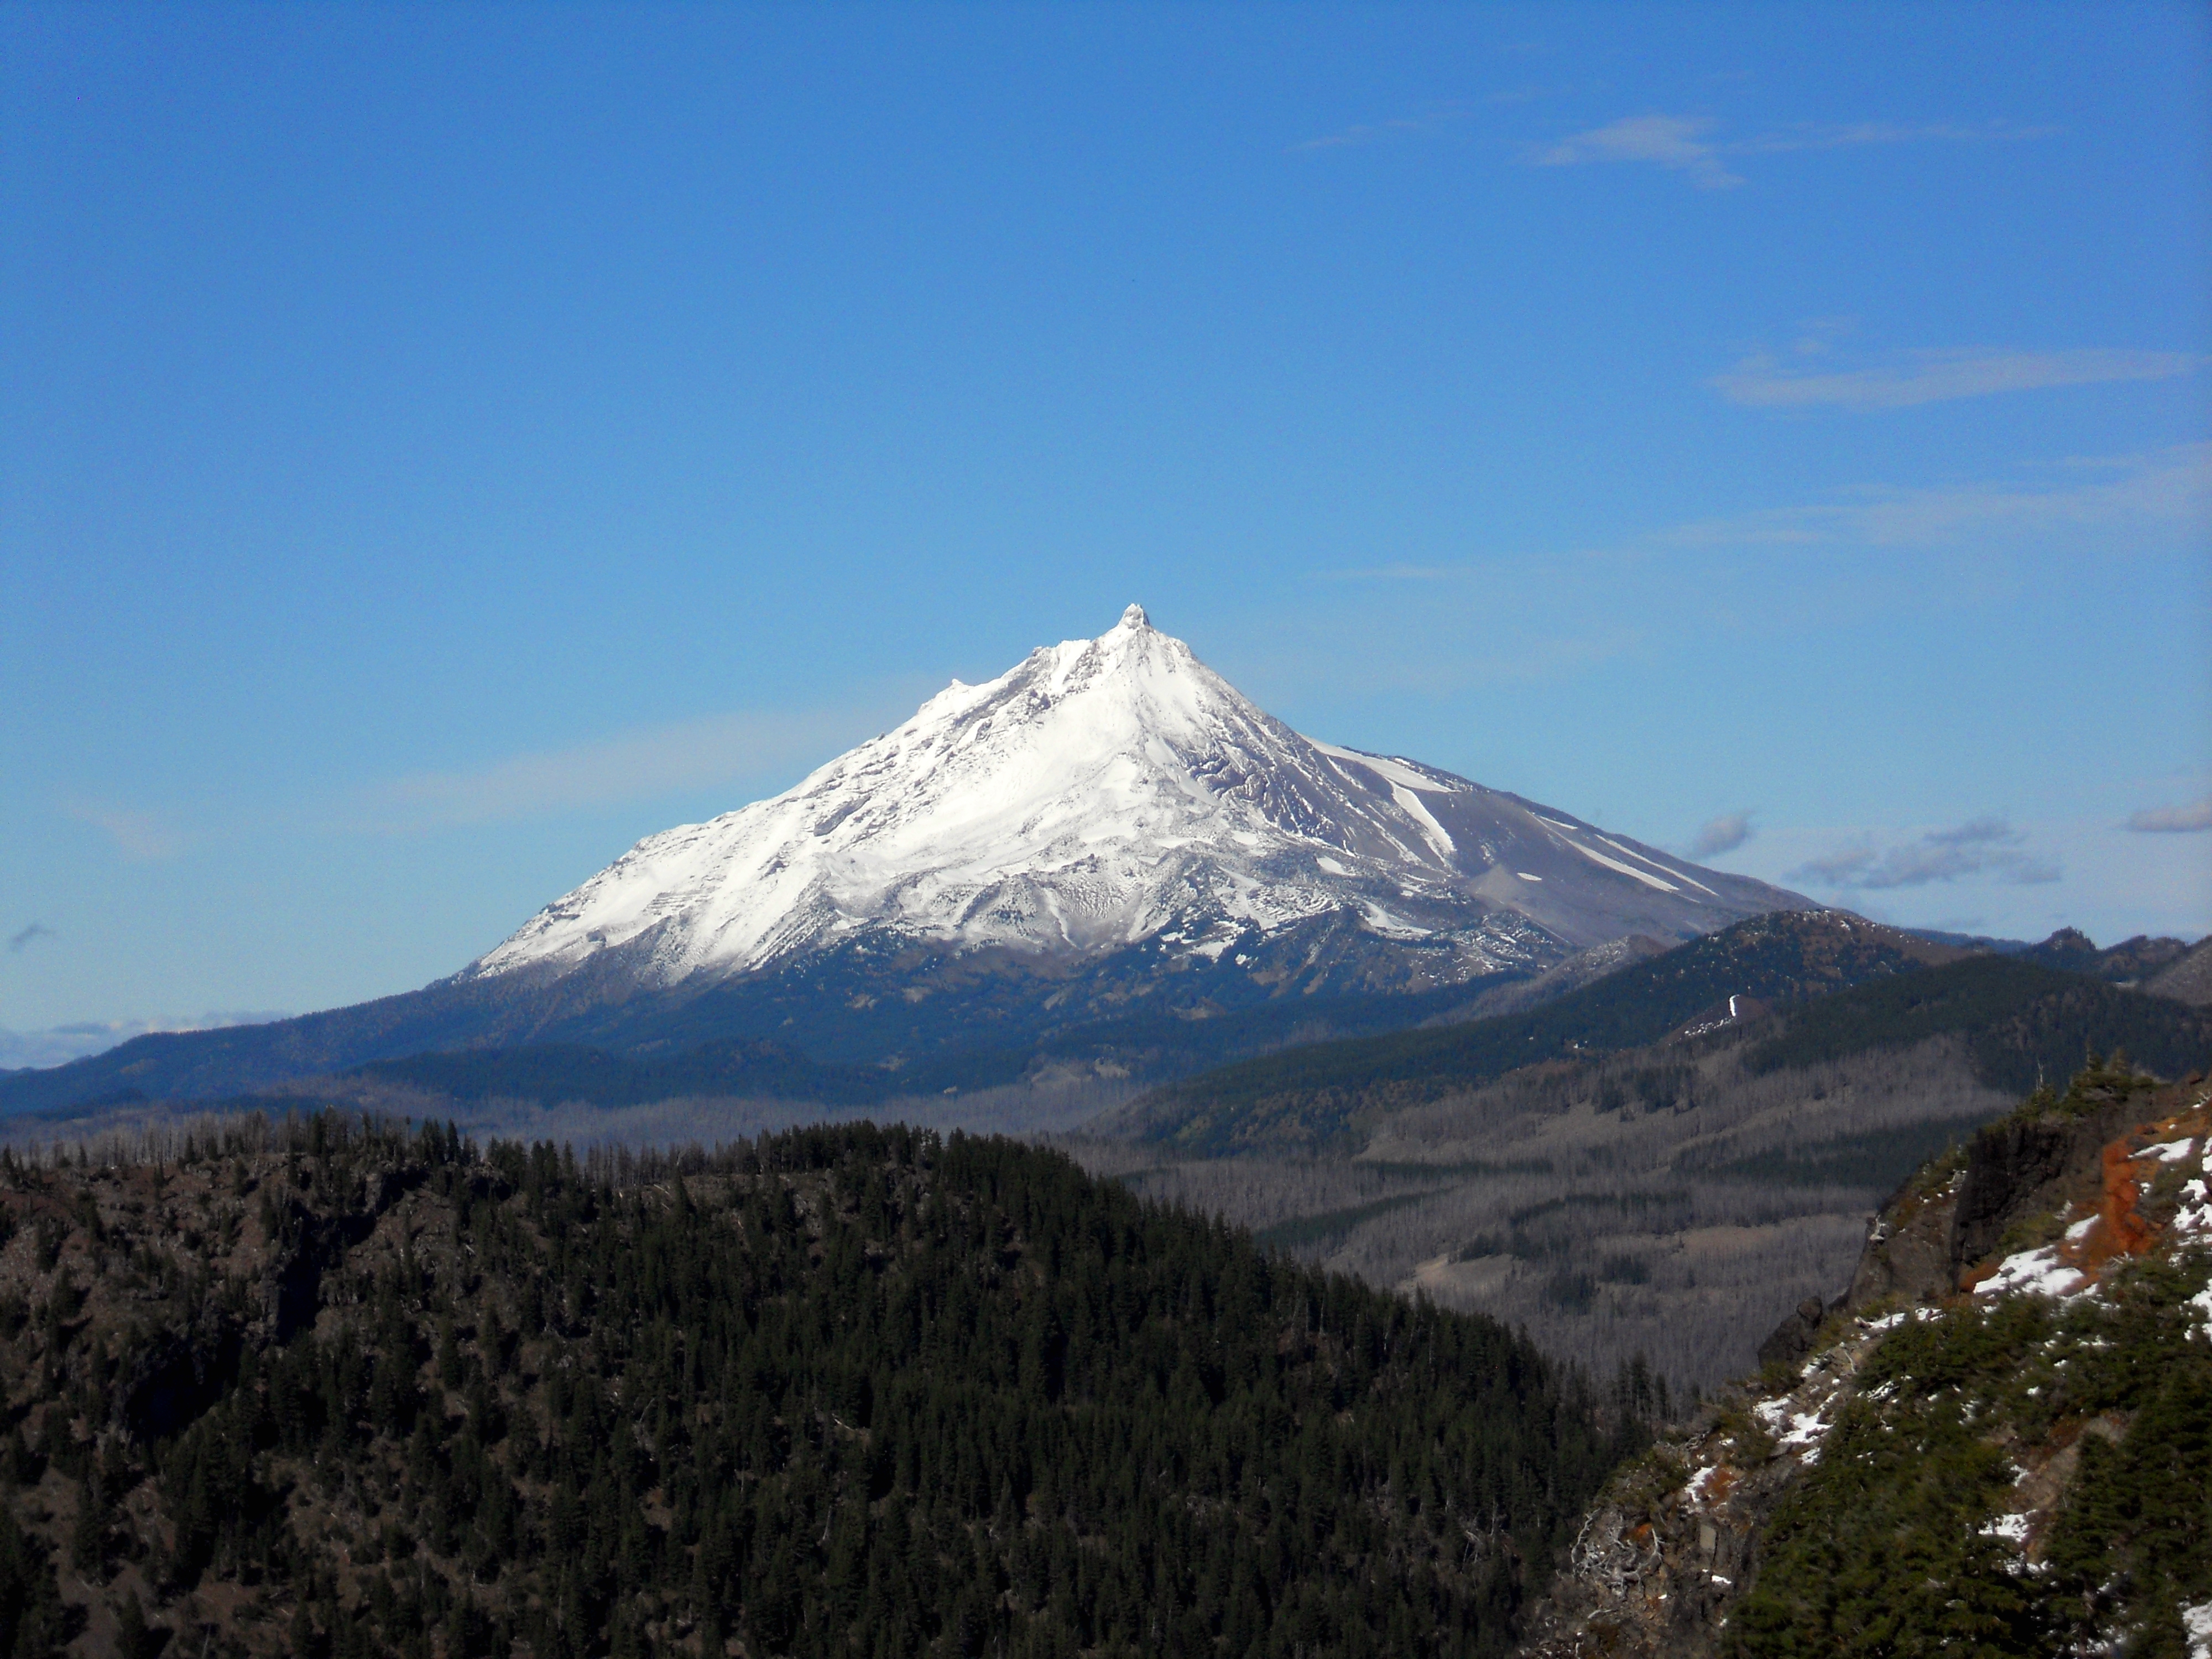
x=1781, y=957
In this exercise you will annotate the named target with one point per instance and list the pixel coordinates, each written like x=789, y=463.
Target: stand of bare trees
x=1668, y=1202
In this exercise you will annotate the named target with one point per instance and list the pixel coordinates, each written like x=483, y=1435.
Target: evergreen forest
x=337, y=1387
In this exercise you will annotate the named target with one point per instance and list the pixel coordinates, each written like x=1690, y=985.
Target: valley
x=1372, y=1331
x=1654, y=1165
x=1659, y=1162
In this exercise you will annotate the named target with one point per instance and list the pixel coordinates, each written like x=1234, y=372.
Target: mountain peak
x=1110, y=793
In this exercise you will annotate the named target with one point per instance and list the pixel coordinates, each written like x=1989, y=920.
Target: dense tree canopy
x=849, y=1391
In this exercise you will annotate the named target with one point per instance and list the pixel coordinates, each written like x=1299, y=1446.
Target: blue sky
x=439, y=447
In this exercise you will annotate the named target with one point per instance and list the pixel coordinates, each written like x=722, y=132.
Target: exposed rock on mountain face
x=1112, y=793
x=2003, y=1428
x=2132, y=962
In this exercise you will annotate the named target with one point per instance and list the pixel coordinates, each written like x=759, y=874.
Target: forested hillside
x=1998, y=1443
x=1313, y=1098
x=1836, y=986
x=337, y=1389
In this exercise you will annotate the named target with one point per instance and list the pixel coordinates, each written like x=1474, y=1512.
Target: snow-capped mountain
x=1105, y=862
x=1109, y=793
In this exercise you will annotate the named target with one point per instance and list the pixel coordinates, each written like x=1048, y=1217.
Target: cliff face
x=1661, y=1563
x=1992, y=1437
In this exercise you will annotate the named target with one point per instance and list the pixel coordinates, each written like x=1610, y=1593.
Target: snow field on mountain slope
x=1069, y=788
x=1099, y=793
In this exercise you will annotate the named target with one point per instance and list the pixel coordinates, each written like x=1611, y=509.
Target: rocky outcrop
x=1907, y=1253
x=2030, y=1164
x=2068, y=1186
x=1792, y=1340
x=1954, y=1213
x=1659, y=1563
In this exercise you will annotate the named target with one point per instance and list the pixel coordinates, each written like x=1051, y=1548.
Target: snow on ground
x=2035, y=1273
x=1806, y=1430
x=1095, y=795
x=1663, y=869
x=2195, y=1215
x=1890, y=1321
x=1404, y=773
x=2197, y=1624
x=2012, y=1529
x=1597, y=857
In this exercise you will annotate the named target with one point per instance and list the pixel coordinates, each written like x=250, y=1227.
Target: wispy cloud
x=696, y=754
x=1986, y=846
x=1722, y=835
x=1851, y=135
x=1430, y=123
x=1688, y=144
x=1837, y=869
x=18, y=942
x=1675, y=141
x=139, y=837
x=2185, y=820
x=2169, y=487
x=1930, y=376
x=2161, y=490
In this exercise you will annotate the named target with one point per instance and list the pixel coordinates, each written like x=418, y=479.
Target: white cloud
x=720, y=749
x=139, y=837
x=2117, y=884
x=1985, y=846
x=1722, y=835
x=2171, y=486
x=1674, y=142
x=1684, y=144
x=1928, y=377
x=2189, y=819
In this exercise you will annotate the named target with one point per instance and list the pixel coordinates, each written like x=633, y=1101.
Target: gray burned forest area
x=1671, y=1202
